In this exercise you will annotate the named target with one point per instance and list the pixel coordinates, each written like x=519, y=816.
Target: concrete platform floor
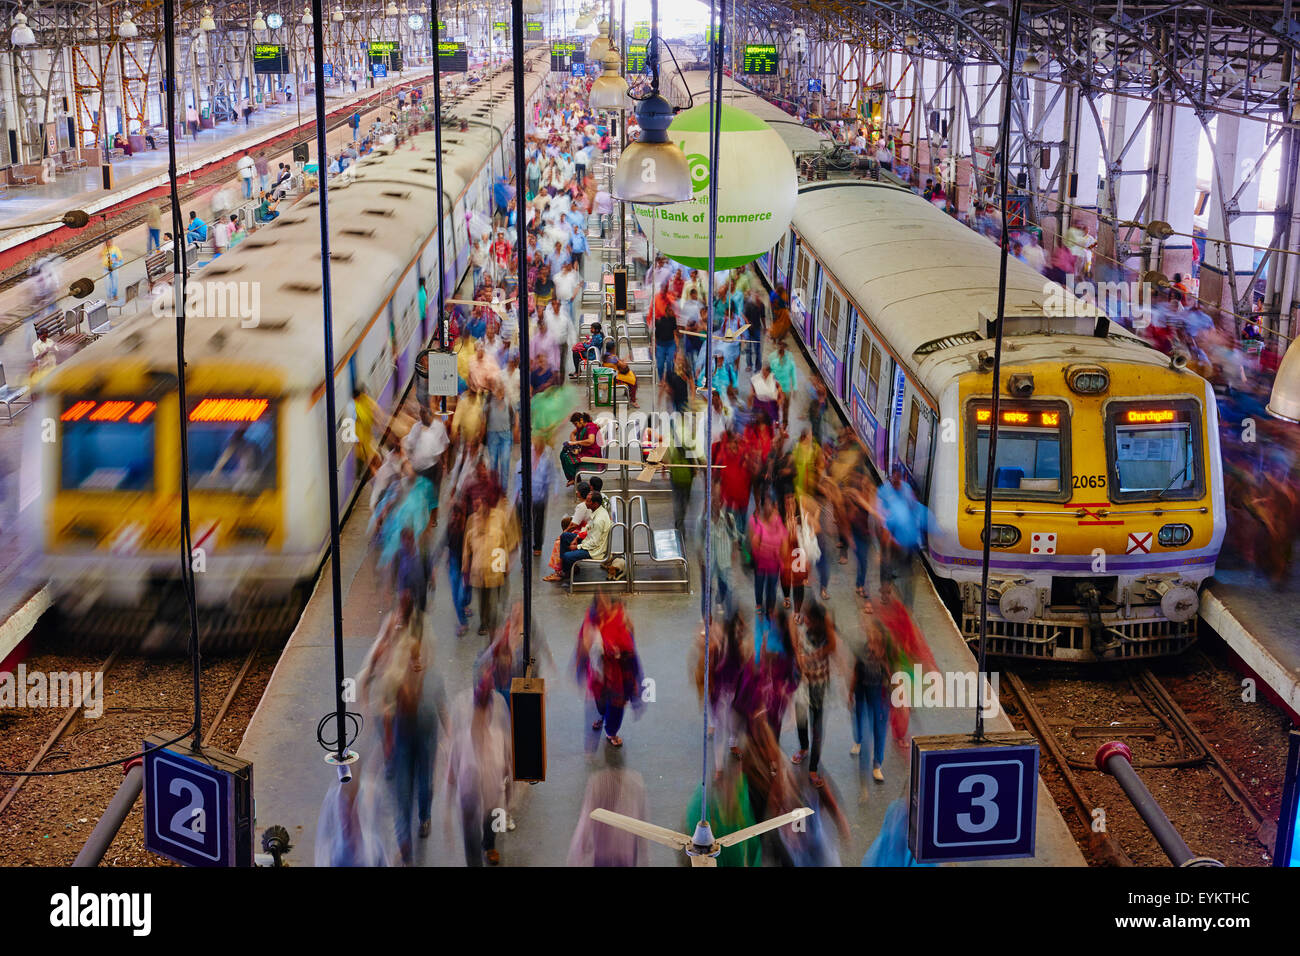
x=1256, y=620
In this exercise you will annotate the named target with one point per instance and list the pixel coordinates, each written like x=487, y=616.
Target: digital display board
x=452, y=57
x=502, y=26
x=112, y=410
x=533, y=26
x=761, y=58
x=386, y=52
x=636, y=53
x=641, y=31
x=270, y=58
x=562, y=54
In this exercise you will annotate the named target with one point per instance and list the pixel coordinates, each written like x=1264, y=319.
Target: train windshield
x=107, y=445
x=1031, y=443
x=232, y=445
x=1154, y=451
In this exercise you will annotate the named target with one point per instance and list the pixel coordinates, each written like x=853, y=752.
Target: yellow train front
x=1107, y=511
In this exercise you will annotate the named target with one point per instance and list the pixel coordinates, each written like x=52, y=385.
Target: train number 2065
x=1090, y=481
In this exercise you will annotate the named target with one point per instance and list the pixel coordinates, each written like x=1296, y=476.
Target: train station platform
x=1261, y=627
x=663, y=744
x=147, y=171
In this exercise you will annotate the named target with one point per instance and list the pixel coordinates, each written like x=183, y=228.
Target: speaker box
x=620, y=290
x=528, y=728
x=301, y=152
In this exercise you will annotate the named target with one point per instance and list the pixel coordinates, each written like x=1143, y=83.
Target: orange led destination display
x=1150, y=416
x=1018, y=417
x=229, y=410
x=113, y=410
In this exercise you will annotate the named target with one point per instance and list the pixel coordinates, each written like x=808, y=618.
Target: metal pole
x=331, y=420
x=105, y=831
x=1116, y=759
x=178, y=300
x=622, y=139
x=1004, y=135
x=525, y=413
x=437, y=144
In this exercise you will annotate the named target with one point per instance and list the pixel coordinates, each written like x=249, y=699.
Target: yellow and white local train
x=1108, y=510
x=101, y=455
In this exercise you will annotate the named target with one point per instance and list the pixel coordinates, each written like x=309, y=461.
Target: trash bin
x=602, y=387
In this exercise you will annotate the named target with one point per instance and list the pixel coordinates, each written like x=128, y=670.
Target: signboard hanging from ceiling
x=387, y=52
x=636, y=56
x=532, y=28
x=452, y=57
x=270, y=58
x=761, y=59
x=563, y=55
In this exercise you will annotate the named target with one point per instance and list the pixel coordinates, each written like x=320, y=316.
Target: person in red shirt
x=734, y=477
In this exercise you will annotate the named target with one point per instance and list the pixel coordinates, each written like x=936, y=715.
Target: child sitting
x=595, y=340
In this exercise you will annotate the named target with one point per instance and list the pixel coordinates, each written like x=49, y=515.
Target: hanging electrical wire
x=1004, y=137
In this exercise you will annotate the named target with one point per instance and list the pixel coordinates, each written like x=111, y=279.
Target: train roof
x=378, y=223
x=798, y=138
x=925, y=280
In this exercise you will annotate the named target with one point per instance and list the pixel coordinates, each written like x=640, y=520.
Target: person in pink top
x=766, y=535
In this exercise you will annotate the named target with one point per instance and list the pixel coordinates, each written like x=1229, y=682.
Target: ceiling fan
x=496, y=305
x=727, y=337
x=649, y=465
x=701, y=847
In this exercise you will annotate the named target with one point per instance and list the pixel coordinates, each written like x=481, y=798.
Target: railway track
x=70, y=717
x=1180, y=764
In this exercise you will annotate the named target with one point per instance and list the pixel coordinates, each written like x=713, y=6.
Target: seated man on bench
x=595, y=546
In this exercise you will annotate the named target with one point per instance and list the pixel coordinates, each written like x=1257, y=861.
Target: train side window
x=913, y=426
x=801, y=277
x=873, y=378
x=831, y=314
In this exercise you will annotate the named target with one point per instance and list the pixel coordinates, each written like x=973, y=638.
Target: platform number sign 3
x=973, y=802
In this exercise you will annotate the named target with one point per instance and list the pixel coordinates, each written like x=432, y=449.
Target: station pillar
x=1226, y=270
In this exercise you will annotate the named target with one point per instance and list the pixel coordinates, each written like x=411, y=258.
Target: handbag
x=808, y=543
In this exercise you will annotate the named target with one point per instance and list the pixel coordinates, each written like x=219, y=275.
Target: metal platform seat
x=660, y=562
x=592, y=574
x=14, y=398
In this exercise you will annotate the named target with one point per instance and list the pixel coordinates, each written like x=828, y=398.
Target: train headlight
x=1088, y=379
x=1174, y=535
x=1002, y=535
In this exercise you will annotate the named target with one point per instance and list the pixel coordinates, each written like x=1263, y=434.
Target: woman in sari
x=583, y=443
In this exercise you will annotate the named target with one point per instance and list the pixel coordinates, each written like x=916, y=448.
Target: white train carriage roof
x=798, y=138
x=378, y=223
x=922, y=280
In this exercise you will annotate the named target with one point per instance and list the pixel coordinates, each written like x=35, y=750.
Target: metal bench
x=617, y=547
x=12, y=397
x=662, y=553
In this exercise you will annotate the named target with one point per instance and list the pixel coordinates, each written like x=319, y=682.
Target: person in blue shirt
x=905, y=520
x=502, y=193
x=544, y=484
x=197, y=230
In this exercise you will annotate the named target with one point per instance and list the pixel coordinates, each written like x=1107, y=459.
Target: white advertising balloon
x=757, y=190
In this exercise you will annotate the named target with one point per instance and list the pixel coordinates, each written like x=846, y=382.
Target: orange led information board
x=229, y=410
x=1018, y=416
x=1150, y=416
x=111, y=410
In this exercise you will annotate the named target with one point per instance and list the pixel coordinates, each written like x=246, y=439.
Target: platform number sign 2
x=973, y=802
x=194, y=805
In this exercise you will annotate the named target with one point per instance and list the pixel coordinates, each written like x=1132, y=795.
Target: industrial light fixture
x=653, y=171
x=391, y=9
x=583, y=21
x=1284, y=401
x=609, y=90
x=259, y=23
x=127, y=28
x=206, y=23
x=306, y=17
x=532, y=6
x=911, y=41
x=598, y=47
x=1031, y=65
x=337, y=15
x=22, y=34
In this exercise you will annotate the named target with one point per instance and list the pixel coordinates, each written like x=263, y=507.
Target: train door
x=831, y=333
x=780, y=271
x=462, y=240
x=803, y=292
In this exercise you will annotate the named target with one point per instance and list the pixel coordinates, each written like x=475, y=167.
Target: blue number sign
x=190, y=806
x=814, y=86
x=973, y=802
x=329, y=69
x=379, y=70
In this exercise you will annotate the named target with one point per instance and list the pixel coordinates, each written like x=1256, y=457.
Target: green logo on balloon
x=698, y=164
